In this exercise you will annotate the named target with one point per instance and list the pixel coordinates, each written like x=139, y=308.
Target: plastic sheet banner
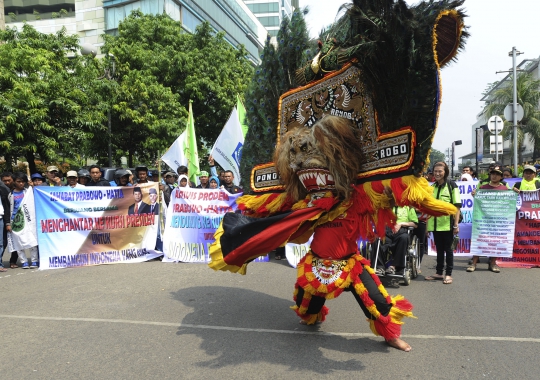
x=96, y=225
x=494, y=222
x=193, y=216
x=526, y=252
x=465, y=228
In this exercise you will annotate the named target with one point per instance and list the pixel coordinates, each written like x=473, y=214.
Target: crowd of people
x=13, y=186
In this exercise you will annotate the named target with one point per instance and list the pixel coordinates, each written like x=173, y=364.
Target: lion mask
x=323, y=157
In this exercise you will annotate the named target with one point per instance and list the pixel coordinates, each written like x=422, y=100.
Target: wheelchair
x=379, y=258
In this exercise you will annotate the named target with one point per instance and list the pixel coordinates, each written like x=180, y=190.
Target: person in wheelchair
x=397, y=238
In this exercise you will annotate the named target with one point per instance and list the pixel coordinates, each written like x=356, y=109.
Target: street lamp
x=454, y=143
x=480, y=144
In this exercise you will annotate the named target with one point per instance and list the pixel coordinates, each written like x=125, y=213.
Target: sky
x=495, y=27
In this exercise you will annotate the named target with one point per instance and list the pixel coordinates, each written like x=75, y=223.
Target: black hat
x=496, y=170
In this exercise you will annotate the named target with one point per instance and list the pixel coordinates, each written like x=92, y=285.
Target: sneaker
x=494, y=268
x=34, y=265
x=25, y=266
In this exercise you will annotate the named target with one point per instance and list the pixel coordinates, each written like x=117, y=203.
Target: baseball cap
x=71, y=173
x=36, y=175
x=529, y=167
x=496, y=169
x=52, y=168
x=170, y=174
x=203, y=173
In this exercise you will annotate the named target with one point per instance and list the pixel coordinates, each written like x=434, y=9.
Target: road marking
x=244, y=329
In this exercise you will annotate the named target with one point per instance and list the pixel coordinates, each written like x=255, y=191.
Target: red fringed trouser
x=383, y=312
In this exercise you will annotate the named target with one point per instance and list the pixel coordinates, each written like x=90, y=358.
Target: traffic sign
x=509, y=112
x=495, y=121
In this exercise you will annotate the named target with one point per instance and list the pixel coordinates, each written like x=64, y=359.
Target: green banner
x=494, y=222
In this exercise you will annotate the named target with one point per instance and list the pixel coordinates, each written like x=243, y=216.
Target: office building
x=91, y=18
x=271, y=12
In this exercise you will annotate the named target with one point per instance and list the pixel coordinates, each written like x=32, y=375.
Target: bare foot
x=399, y=344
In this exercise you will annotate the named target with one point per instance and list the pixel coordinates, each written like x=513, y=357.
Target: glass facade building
x=230, y=16
x=271, y=12
x=31, y=10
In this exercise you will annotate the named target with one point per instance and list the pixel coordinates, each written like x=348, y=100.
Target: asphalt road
x=184, y=321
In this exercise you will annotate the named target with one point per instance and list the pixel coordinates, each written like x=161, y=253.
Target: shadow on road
x=241, y=308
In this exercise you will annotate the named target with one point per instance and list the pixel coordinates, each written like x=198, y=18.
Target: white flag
x=175, y=156
x=23, y=228
x=227, y=150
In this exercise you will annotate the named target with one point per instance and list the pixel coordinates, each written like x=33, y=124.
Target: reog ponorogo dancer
x=352, y=141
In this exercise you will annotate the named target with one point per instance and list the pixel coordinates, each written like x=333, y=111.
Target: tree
x=145, y=117
x=202, y=67
x=44, y=108
x=2, y=19
x=436, y=156
x=272, y=78
x=528, y=96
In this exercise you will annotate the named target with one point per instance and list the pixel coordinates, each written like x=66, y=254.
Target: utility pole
x=514, y=53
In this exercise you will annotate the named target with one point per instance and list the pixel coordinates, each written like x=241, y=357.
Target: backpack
x=451, y=186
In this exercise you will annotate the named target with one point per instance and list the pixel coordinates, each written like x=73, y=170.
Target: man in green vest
x=530, y=180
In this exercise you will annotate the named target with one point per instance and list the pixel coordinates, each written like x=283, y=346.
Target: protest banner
x=526, y=249
x=494, y=221
x=23, y=228
x=295, y=252
x=464, y=245
x=193, y=216
x=96, y=225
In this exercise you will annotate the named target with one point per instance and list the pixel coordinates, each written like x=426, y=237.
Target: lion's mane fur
x=332, y=143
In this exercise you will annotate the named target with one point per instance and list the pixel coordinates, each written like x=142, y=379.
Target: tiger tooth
x=330, y=177
x=320, y=180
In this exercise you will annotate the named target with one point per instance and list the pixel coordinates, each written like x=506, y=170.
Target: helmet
x=84, y=173
x=119, y=174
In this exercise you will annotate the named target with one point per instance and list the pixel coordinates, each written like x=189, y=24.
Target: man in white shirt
x=72, y=179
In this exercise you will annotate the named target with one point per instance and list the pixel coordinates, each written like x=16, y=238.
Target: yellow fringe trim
x=396, y=315
x=276, y=204
x=419, y=192
x=372, y=327
x=216, y=256
x=435, y=38
x=253, y=202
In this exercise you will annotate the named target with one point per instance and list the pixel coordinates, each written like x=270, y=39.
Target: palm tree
x=528, y=96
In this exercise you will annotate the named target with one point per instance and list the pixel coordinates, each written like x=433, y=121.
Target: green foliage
x=272, y=78
x=202, y=67
x=43, y=106
x=436, y=156
x=528, y=96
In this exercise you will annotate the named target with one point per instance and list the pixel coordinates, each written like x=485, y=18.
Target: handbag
x=455, y=242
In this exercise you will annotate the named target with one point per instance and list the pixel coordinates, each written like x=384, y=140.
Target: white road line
x=243, y=329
